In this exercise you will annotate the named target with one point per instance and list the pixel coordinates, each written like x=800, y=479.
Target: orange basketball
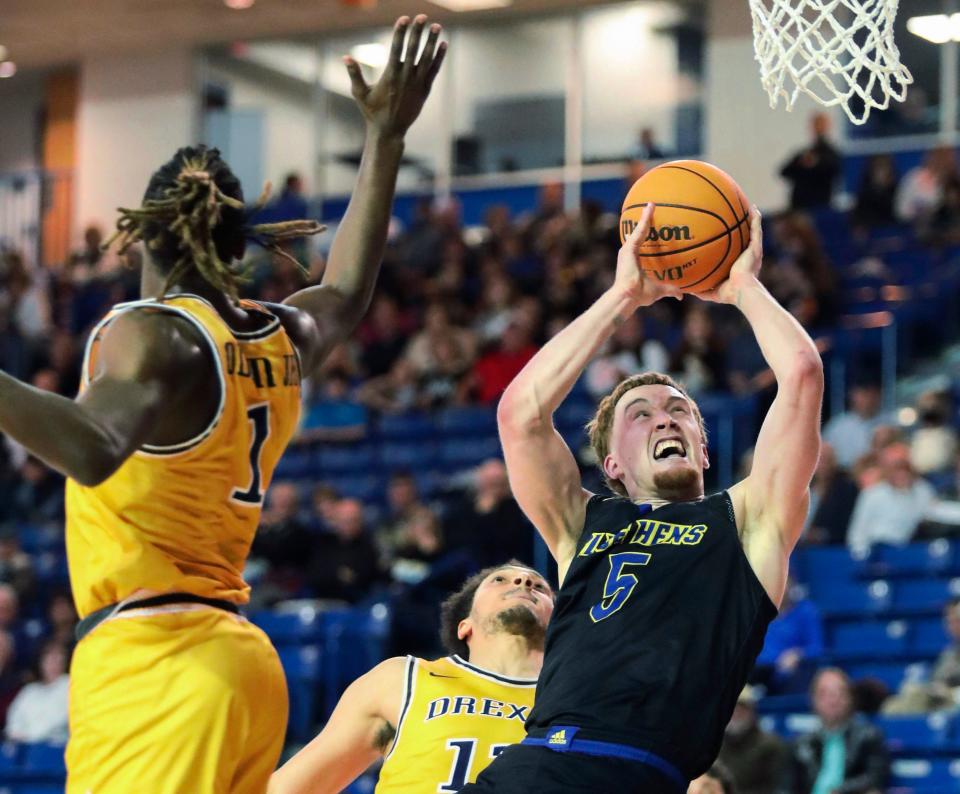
x=700, y=226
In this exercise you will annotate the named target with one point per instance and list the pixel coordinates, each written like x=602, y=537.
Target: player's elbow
x=94, y=469
x=806, y=375
x=518, y=413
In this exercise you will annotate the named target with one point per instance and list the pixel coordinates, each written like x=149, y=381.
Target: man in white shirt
x=39, y=711
x=851, y=432
x=891, y=510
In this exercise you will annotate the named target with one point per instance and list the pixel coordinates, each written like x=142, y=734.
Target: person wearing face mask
x=755, y=758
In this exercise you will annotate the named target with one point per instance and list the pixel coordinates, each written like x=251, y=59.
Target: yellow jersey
x=182, y=518
x=455, y=719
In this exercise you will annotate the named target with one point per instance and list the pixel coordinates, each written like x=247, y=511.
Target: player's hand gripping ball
x=700, y=226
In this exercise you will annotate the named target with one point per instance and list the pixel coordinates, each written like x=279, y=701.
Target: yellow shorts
x=185, y=702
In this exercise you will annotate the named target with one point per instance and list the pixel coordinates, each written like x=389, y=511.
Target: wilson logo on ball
x=656, y=235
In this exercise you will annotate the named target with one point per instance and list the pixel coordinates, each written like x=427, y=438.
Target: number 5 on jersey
x=259, y=417
x=619, y=585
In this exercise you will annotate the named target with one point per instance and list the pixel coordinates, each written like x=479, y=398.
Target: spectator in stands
x=868, y=469
x=384, y=336
x=497, y=367
x=281, y=545
x=698, y=360
x=877, y=193
x=933, y=444
x=801, y=275
x=626, y=352
x=392, y=393
x=444, y=381
x=754, y=757
x=23, y=296
x=942, y=691
x=343, y=565
x=16, y=566
x=324, y=499
x=944, y=226
x=850, y=433
x=716, y=780
x=647, y=147
x=891, y=510
x=419, y=547
x=10, y=678
x=921, y=190
x=61, y=619
x=39, y=711
x=290, y=204
x=488, y=521
x=403, y=504
x=9, y=607
x=496, y=308
x=793, y=646
x=833, y=493
x=38, y=495
x=332, y=412
x=845, y=754
x=813, y=171
x=422, y=350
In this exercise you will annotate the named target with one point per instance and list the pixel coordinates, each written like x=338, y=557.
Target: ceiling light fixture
x=238, y=5
x=372, y=54
x=471, y=5
x=936, y=28
x=8, y=69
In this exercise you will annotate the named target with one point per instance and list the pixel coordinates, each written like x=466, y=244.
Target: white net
x=839, y=52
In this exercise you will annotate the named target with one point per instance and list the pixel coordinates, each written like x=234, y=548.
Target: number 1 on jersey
x=619, y=585
x=259, y=416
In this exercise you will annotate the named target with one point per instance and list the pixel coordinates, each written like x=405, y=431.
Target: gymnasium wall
x=133, y=111
x=21, y=105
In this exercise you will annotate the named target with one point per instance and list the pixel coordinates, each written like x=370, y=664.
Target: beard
x=521, y=622
x=678, y=483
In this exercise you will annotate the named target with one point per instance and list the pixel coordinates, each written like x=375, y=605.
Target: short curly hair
x=598, y=428
x=458, y=605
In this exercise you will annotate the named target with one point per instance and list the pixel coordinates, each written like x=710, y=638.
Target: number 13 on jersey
x=619, y=585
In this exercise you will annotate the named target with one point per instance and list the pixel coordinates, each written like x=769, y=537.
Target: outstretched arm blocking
x=334, y=308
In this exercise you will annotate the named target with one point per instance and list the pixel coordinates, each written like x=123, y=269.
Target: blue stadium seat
x=366, y=488
x=856, y=640
x=916, y=559
x=464, y=453
x=838, y=597
x=10, y=754
x=927, y=636
x=940, y=775
x=345, y=458
x=890, y=673
x=406, y=426
x=302, y=666
x=917, y=596
x=43, y=758
x=354, y=642
x=784, y=704
x=290, y=628
x=928, y=734
x=406, y=455
x=813, y=565
x=296, y=463
x=473, y=420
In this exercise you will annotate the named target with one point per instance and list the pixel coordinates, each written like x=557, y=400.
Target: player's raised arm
x=772, y=502
x=148, y=362
x=335, y=307
x=360, y=730
x=543, y=473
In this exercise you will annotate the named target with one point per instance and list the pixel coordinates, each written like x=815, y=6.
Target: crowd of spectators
x=457, y=313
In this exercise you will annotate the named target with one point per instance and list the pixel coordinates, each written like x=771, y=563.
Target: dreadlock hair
x=193, y=219
x=457, y=607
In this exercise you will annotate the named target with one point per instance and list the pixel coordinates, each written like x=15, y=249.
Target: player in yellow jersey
x=188, y=400
x=438, y=723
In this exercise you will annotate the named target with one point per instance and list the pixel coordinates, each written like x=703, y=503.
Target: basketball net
x=835, y=51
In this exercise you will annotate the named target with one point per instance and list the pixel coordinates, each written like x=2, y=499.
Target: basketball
x=700, y=226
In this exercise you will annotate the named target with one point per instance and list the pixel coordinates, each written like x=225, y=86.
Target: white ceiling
x=43, y=33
